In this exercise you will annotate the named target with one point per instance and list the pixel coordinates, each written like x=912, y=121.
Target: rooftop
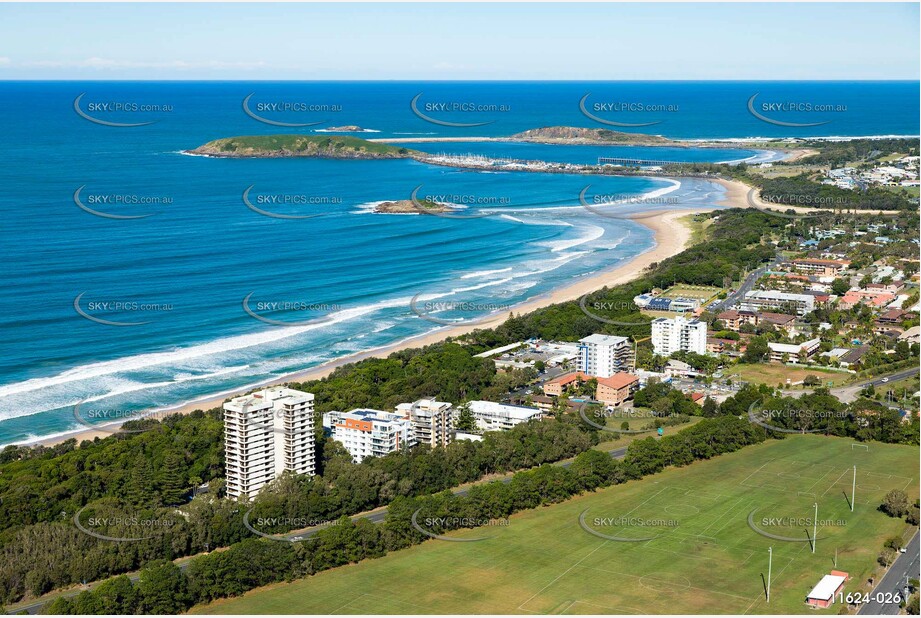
x=502, y=409
x=619, y=380
x=827, y=587
x=598, y=339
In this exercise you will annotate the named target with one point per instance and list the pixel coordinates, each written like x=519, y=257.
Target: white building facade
x=266, y=433
x=604, y=355
x=670, y=335
x=761, y=300
x=369, y=433
x=492, y=416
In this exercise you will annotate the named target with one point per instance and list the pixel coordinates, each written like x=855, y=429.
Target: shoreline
x=671, y=237
x=737, y=193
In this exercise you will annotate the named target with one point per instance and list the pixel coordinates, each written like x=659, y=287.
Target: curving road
x=906, y=564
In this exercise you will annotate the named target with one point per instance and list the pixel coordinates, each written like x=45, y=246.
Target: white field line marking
x=539, y=592
x=724, y=514
x=748, y=505
x=633, y=610
x=835, y=484
x=742, y=482
x=557, y=578
x=652, y=576
x=332, y=613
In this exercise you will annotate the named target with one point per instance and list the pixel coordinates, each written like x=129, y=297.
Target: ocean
x=147, y=311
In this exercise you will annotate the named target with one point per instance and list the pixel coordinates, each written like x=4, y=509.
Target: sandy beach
x=737, y=194
x=671, y=236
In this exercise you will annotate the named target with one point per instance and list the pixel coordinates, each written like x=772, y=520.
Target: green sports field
x=700, y=555
x=702, y=292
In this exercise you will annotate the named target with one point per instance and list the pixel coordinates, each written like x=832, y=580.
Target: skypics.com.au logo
x=437, y=112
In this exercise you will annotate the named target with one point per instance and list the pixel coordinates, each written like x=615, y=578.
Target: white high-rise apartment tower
x=266, y=433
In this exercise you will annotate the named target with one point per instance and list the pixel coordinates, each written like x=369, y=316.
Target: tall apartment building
x=432, y=421
x=759, y=300
x=604, y=355
x=369, y=433
x=265, y=434
x=669, y=335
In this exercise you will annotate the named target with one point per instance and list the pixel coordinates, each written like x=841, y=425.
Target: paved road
x=745, y=287
x=893, y=580
x=847, y=394
x=881, y=380
x=375, y=517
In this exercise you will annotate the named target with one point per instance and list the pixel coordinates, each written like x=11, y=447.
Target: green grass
x=909, y=192
x=703, y=292
x=698, y=227
x=711, y=561
x=626, y=438
x=773, y=374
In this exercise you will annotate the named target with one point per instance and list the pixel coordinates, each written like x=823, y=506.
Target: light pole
x=815, y=525
x=770, y=559
x=854, y=489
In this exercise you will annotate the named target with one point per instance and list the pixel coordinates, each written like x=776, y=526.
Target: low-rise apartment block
x=760, y=300
x=617, y=389
x=492, y=416
x=793, y=351
x=556, y=386
x=369, y=433
x=733, y=320
x=815, y=266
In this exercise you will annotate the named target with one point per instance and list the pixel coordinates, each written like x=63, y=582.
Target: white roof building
x=492, y=416
x=827, y=587
x=793, y=350
x=604, y=355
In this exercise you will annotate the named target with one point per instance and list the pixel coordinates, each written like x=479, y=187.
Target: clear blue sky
x=460, y=41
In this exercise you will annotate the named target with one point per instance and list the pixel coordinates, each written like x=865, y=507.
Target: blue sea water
x=348, y=276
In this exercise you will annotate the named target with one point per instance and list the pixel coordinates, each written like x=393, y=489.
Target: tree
x=174, y=487
x=646, y=455
x=840, y=287
x=465, y=419
x=756, y=351
x=710, y=408
x=139, y=491
x=162, y=589
x=895, y=503
x=116, y=596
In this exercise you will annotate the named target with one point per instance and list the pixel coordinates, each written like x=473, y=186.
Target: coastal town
x=461, y=309
x=753, y=325
x=822, y=311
